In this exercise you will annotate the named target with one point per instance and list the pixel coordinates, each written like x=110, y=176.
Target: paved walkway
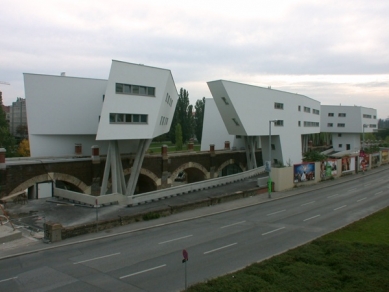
x=68, y=214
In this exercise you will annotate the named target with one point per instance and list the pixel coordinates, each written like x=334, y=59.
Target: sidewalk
x=56, y=211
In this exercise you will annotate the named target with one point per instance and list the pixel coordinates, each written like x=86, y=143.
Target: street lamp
x=269, y=166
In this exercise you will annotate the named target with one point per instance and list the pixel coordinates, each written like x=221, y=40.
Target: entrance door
x=44, y=190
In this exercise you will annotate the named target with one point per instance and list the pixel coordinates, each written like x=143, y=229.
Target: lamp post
x=269, y=180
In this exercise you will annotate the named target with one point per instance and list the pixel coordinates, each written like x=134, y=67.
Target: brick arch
x=146, y=172
x=52, y=176
x=226, y=163
x=184, y=166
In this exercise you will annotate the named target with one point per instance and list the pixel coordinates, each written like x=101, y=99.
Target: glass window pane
x=119, y=87
x=143, y=118
x=142, y=90
x=126, y=88
x=112, y=118
x=128, y=119
x=151, y=91
x=120, y=118
x=135, y=89
x=135, y=118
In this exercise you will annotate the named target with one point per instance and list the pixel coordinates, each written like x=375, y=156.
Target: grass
x=354, y=258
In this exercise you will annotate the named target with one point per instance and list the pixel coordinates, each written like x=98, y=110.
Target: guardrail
x=155, y=195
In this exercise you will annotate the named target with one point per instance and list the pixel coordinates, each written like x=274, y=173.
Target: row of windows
x=311, y=124
x=341, y=115
x=163, y=120
x=340, y=125
x=135, y=89
x=368, y=116
x=115, y=118
x=168, y=99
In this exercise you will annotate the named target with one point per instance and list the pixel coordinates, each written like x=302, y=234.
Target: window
x=168, y=99
x=116, y=118
x=299, y=123
x=316, y=112
x=311, y=124
x=236, y=123
x=279, y=123
x=348, y=146
x=299, y=108
x=367, y=116
x=342, y=115
x=163, y=120
x=273, y=147
x=225, y=100
x=278, y=105
x=134, y=89
x=103, y=97
x=330, y=114
x=374, y=117
x=307, y=109
x=238, y=136
x=340, y=145
x=330, y=125
x=373, y=126
x=339, y=135
x=340, y=125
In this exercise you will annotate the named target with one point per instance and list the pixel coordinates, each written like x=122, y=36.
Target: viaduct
x=83, y=174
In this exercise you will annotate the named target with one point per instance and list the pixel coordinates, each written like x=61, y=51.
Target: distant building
x=18, y=118
x=6, y=109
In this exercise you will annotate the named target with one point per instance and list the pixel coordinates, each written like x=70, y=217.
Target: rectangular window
x=299, y=123
x=373, y=126
x=330, y=114
x=340, y=125
x=115, y=118
x=273, y=147
x=299, y=108
x=278, y=105
x=119, y=118
x=134, y=89
x=150, y=91
x=126, y=88
x=311, y=124
x=112, y=118
x=236, y=123
x=142, y=90
x=307, y=109
x=340, y=145
x=279, y=123
x=330, y=125
x=119, y=87
x=342, y=115
x=367, y=116
x=225, y=100
x=339, y=135
x=315, y=111
x=135, y=118
x=374, y=117
x=143, y=119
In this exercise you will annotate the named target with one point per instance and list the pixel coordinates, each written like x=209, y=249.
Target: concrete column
x=95, y=187
x=212, y=160
x=165, y=167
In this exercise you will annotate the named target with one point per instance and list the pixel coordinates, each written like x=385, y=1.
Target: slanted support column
x=249, y=142
x=165, y=169
x=135, y=170
x=212, y=167
x=95, y=188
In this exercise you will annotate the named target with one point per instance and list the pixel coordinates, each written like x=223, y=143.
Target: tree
x=24, y=148
x=183, y=116
x=7, y=141
x=313, y=156
x=178, y=137
x=199, y=118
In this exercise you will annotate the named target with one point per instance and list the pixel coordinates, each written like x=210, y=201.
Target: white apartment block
x=346, y=123
x=247, y=112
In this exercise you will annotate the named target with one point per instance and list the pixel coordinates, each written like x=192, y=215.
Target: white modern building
x=121, y=115
x=249, y=113
x=346, y=123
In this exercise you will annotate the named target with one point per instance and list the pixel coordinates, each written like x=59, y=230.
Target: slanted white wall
x=153, y=106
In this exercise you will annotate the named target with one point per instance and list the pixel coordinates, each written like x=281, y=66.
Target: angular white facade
x=346, y=123
x=246, y=111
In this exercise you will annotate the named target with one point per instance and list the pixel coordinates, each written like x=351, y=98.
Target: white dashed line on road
x=144, y=271
x=175, y=239
x=233, y=224
x=311, y=218
x=216, y=249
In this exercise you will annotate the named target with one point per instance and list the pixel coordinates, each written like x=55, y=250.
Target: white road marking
x=308, y=203
x=352, y=190
x=216, y=249
x=8, y=279
x=276, y=212
x=311, y=218
x=175, y=239
x=362, y=199
x=110, y=255
x=378, y=193
x=333, y=196
x=340, y=207
x=273, y=231
x=144, y=271
x=233, y=224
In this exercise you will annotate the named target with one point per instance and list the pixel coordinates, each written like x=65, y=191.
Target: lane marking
x=273, y=231
x=8, y=279
x=333, y=196
x=361, y=199
x=110, y=255
x=276, y=212
x=311, y=218
x=340, y=207
x=216, y=249
x=233, y=224
x=378, y=193
x=144, y=271
x=352, y=190
x=175, y=239
x=308, y=203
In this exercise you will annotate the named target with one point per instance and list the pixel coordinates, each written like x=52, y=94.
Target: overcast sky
x=336, y=52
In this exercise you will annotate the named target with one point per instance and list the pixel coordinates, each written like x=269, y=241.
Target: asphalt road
x=151, y=260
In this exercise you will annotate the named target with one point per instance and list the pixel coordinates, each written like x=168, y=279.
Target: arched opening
x=145, y=184
x=189, y=173
x=230, y=169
